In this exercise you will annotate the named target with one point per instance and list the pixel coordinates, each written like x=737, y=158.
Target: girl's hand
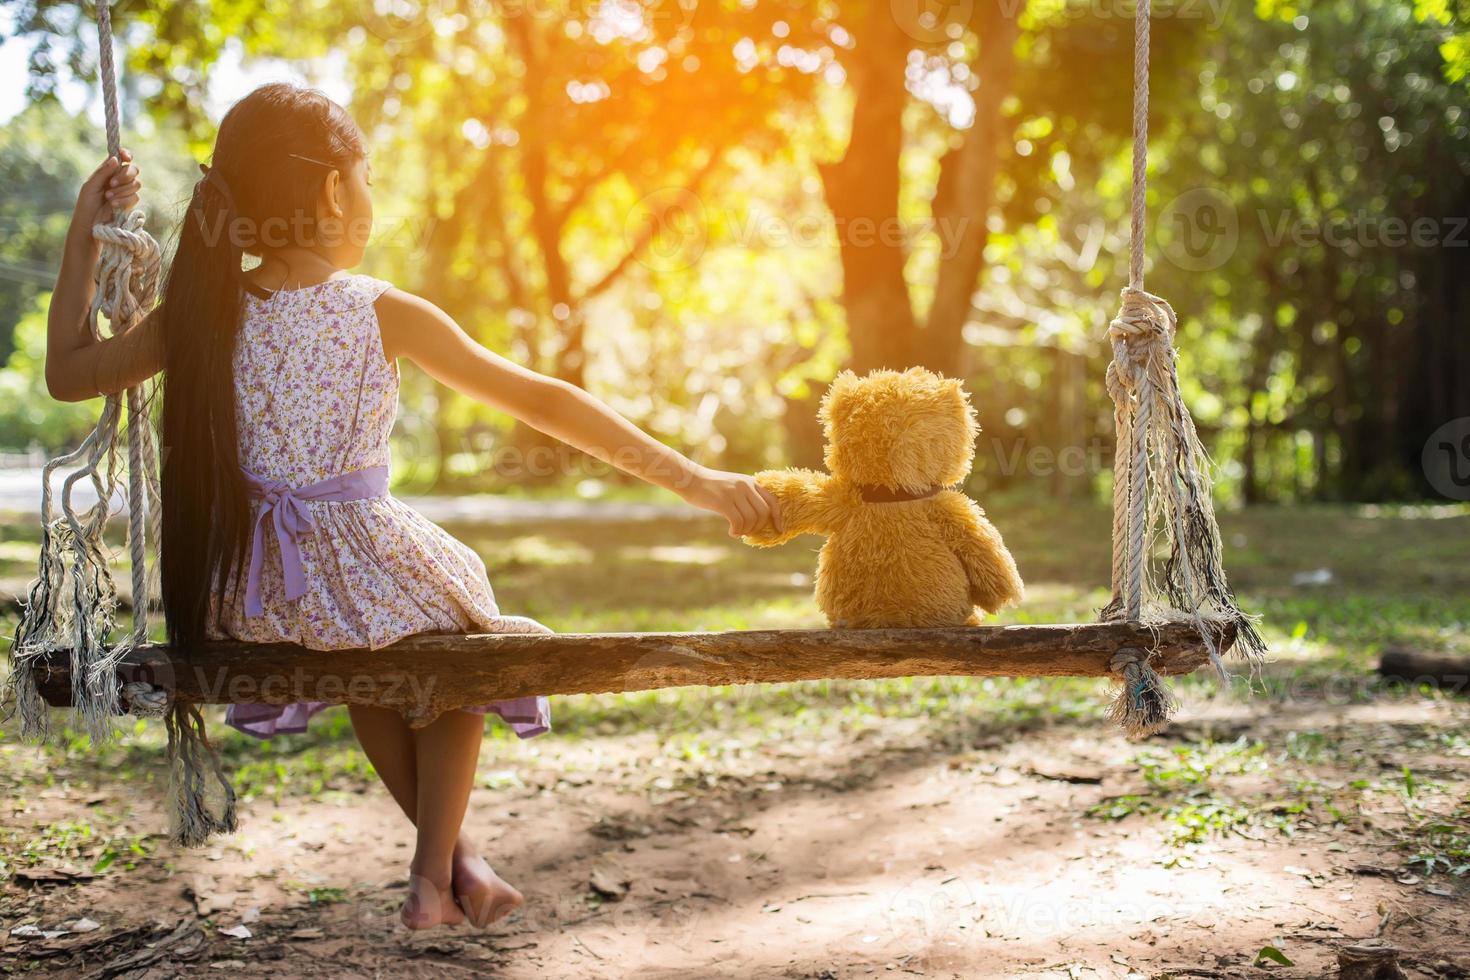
x=737, y=498
x=114, y=184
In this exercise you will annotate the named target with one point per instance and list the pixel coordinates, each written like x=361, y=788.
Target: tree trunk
x=966, y=188
x=862, y=191
x=568, y=360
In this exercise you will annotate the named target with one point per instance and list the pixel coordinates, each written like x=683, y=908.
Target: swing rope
x=71, y=606
x=1157, y=446
x=127, y=275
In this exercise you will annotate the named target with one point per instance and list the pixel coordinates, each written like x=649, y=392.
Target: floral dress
x=315, y=399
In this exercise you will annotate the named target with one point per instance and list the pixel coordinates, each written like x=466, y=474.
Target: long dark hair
x=275, y=148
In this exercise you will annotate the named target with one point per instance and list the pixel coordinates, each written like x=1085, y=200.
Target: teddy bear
x=904, y=548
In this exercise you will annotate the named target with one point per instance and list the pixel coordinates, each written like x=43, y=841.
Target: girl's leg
x=387, y=741
x=446, y=752
x=390, y=745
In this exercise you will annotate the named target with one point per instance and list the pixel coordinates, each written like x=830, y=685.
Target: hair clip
x=215, y=179
x=319, y=163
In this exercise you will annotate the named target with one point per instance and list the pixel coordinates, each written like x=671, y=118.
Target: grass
x=1394, y=577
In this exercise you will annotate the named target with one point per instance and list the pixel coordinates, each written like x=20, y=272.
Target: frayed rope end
x=1144, y=704
x=202, y=799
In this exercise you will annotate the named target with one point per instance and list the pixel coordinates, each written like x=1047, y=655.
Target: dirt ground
x=881, y=854
x=930, y=827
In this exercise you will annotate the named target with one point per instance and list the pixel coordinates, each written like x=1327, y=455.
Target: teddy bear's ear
x=832, y=402
x=955, y=389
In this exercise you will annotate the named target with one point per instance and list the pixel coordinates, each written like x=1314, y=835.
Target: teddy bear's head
x=905, y=430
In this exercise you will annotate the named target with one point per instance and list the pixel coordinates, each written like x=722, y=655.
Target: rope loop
x=1142, y=333
x=1126, y=657
x=145, y=700
x=1143, y=315
x=129, y=266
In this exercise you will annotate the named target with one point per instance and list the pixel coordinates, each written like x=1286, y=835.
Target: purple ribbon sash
x=287, y=510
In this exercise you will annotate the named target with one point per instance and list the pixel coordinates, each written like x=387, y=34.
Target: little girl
x=280, y=388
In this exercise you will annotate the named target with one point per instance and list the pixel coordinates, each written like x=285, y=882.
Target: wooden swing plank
x=423, y=676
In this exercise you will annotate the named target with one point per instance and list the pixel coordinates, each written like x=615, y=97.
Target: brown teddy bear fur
x=928, y=558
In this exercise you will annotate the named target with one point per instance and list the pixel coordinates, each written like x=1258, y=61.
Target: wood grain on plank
x=426, y=675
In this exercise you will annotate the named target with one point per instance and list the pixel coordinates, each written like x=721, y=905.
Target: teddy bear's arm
x=806, y=505
x=994, y=581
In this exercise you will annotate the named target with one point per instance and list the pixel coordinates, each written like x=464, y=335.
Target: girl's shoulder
x=340, y=295
x=365, y=290
x=353, y=292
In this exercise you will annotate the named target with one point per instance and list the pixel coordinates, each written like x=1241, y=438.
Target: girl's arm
x=78, y=367
x=418, y=330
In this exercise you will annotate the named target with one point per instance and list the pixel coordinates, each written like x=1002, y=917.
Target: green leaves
x=1270, y=954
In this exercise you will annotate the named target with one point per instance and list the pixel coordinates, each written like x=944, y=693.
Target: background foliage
x=702, y=209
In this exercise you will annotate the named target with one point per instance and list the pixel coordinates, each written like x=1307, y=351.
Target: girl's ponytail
x=205, y=509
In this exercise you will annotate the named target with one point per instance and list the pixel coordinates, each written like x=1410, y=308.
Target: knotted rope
x=1143, y=704
x=1158, y=449
x=72, y=604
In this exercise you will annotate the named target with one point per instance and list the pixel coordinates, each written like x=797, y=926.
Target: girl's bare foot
x=482, y=894
x=429, y=905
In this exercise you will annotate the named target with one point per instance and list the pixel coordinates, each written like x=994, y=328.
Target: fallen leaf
x=1270, y=954
x=1064, y=774
x=608, y=884
x=236, y=932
